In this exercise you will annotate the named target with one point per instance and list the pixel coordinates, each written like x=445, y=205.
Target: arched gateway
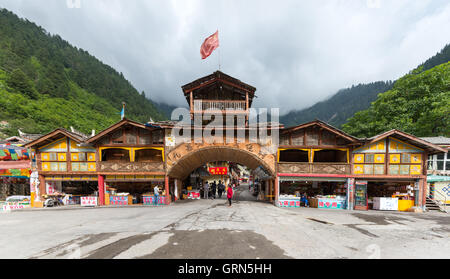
x=187, y=157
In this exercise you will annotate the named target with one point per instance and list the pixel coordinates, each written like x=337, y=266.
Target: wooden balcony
x=316, y=168
x=219, y=106
x=130, y=167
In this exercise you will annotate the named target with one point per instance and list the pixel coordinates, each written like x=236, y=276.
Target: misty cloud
x=294, y=52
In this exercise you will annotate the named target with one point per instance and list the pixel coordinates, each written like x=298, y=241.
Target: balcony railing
x=130, y=167
x=316, y=168
x=219, y=105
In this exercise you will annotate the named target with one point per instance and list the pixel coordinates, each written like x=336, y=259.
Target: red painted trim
x=348, y=176
x=314, y=175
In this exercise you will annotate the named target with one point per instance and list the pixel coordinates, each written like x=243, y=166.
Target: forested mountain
x=337, y=109
x=47, y=83
x=419, y=103
x=344, y=104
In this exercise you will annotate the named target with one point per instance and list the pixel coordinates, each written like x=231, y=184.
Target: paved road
x=210, y=229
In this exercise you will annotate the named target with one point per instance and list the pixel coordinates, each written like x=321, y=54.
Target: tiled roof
x=437, y=140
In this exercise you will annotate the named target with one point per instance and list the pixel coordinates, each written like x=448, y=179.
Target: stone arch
x=187, y=157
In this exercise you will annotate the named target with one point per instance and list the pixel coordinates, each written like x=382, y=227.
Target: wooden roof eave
x=115, y=127
x=218, y=77
x=432, y=148
x=48, y=138
x=324, y=126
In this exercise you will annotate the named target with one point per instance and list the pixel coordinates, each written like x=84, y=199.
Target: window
x=331, y=156
x=297, y=156
x=440, y=162
x=148, y=155
x=116, y=155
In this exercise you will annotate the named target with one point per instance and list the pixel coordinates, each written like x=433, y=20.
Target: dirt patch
x=217, y=244
x=443, y=219
x=363, y=231
x=111, y=250
x=380, y=219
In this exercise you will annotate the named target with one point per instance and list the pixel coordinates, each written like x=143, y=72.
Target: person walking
x=213, y=190
x=206, y=190
x=229, y=194
x=156, y=191
x=220, y=188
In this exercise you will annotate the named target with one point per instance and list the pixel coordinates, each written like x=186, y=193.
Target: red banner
x=218, y=171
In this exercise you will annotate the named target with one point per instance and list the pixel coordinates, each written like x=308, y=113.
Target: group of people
x=219, y=189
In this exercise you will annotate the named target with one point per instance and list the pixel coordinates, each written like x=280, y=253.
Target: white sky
x=294, y=52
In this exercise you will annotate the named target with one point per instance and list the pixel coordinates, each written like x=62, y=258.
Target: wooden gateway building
x=328, y=167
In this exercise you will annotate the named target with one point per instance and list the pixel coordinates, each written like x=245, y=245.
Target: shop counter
x=150, y=200
x=404, y=205
x=385, y=203
x=327, y=203
x=404, y=202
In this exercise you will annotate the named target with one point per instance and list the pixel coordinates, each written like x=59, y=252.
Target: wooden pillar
x=101, y=190
x=166, y=188
x=271, y=190
x=422, y=192
x=277, y=188
x=42, y=186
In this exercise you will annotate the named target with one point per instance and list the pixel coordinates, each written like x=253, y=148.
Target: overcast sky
x=294, y=52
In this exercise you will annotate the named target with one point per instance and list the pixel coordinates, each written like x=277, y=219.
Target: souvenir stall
x=14, y=177
x=320, y=194
x=390, y=196
x=134, y=190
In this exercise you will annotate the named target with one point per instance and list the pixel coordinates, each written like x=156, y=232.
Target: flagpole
x=219, y=49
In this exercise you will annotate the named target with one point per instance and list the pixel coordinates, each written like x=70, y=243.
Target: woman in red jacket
x=229, y=194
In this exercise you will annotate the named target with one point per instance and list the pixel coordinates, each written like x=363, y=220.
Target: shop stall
x=326, y=194
x=124, y=193
x=390, y=195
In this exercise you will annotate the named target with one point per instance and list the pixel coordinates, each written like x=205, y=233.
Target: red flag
x=210, y=44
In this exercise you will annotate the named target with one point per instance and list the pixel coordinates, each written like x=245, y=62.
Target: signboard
x=118, y=200
x=88, y=201
x=218, y=171
x=150, y=200
x=9, y=207
x=194, y=195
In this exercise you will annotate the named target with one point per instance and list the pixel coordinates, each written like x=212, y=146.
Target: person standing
x=206, y=190
x=229, y=194
x=156, y=192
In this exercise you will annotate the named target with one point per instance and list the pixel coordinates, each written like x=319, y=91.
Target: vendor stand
x=405, y=202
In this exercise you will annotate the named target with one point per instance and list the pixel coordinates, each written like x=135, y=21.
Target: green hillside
x=46, y=83
x=337, y=109
x=346, y=102
x=419, y=103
